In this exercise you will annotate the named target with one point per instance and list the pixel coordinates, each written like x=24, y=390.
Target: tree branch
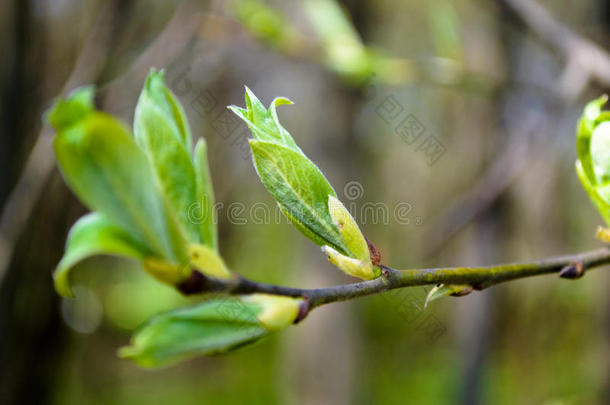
x=570, y=266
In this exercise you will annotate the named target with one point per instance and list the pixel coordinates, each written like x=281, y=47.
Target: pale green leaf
x=593, y=148
x=299, y=187
x=162, y=98
x=586, y=125
x=600, y=152
x=308, y=233
x=203, y=211
x=107, y=170
x=92, y=235
x=213, y=327
x=72, y=109
x=601, y=203
x=161, y=131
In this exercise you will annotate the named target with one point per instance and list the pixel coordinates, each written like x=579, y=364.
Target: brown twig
x=570, y=266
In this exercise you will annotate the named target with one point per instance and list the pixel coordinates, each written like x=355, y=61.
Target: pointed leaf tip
x=66, y=112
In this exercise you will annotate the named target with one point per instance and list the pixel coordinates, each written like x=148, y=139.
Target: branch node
x=304, y=307
x=572, y=271
x=387, y=272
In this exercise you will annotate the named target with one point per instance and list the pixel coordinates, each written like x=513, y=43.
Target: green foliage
x=162, y=133
x=299, y=187
x=152, y=201
x=265, y=124
x=142, y=190
x=91, y=235
x=213, y=327
x=205, y=196
x=301, y=190
x=68, y=111
x=593, y=149
x=110, y=174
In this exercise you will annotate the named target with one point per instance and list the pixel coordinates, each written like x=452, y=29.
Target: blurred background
x=446, y=127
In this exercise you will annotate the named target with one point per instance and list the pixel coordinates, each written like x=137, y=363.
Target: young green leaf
x=66, y=112
x=107, y=170
x=586, y=125
x=598, y=200
x=205, y=213
x=161, y=130
x=264, y=124
x=92, y=235
x=600, y=152
x=156, y=95
x=299, y=187
x=213, y=327
x=308, y=233
x=593, y=148
x=301, y=190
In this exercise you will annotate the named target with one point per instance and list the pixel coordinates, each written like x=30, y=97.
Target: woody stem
x=569, y=266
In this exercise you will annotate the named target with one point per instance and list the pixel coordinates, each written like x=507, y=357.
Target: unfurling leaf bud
x=442, y=290
x=277, y=312
x=212, y=327
x=349, y=265
x=593, y=149
x=207, y=261
x=349, y=230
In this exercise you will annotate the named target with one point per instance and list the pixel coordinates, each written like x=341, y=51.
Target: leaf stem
x=569, y=266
